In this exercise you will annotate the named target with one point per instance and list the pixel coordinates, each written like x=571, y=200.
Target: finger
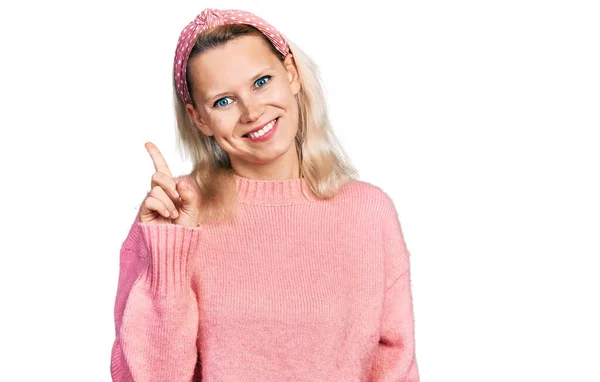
x=166, y=182
x=160, y=194
x=153, y=204
x=159, y=161
x=186, y=191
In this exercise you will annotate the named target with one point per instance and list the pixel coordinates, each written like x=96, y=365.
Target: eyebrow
x=255, y=77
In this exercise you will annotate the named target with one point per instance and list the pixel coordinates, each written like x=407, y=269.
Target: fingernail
x=175, y=213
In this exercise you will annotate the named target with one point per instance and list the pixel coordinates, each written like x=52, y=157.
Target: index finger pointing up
x=159, y=161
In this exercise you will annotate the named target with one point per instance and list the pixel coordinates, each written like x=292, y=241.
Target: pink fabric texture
x=210, y=18
x=294, y=289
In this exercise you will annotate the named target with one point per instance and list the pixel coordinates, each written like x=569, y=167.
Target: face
x=240, y=87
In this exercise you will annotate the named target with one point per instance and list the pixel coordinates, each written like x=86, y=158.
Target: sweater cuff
x=172, y=258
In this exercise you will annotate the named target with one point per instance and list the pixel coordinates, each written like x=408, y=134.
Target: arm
x=395, y=356
x=156, y=311
x=395, y=359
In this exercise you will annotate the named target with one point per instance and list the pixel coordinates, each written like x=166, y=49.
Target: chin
x=268, y=156
x=271, y=153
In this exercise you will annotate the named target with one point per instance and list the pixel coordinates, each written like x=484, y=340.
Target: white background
x=479, y=118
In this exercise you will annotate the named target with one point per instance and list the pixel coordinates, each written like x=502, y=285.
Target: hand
x=169, y=201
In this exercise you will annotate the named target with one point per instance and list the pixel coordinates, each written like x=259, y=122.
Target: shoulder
x=366, y=192
x=369, y=197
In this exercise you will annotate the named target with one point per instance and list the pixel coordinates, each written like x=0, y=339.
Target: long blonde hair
x=323, y=162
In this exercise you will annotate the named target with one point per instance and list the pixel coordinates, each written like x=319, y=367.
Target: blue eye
x=225, y=101
x=222, y=102
x=262, y=81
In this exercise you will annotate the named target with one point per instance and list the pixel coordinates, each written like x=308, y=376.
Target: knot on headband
x=210, y=18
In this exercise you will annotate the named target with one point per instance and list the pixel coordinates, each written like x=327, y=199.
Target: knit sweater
x=296, y=288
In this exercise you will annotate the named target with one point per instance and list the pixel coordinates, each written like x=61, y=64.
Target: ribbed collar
x=273, y=192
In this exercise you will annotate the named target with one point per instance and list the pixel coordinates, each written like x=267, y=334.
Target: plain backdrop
x=479, y=118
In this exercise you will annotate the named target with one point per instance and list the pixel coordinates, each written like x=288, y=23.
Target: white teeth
x=263, y=131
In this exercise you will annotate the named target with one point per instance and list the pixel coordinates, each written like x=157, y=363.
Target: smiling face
x=240, y=87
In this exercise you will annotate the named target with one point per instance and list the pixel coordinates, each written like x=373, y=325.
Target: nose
x=252, y=110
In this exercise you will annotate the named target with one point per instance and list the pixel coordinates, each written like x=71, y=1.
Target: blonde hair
x=323, y=162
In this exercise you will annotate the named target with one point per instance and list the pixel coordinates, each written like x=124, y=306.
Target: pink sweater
x=296, y=289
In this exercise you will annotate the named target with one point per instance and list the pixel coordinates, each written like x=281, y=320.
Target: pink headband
x=210, y=18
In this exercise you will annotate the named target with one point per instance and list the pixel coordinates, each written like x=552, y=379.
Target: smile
x=265, y=133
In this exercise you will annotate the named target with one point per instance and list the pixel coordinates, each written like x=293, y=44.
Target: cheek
x=282, y=95
x=223, y=123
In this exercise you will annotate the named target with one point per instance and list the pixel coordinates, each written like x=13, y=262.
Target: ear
x=292, y=71
x=198, y=120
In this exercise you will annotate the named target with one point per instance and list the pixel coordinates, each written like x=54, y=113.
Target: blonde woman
x=270, y=261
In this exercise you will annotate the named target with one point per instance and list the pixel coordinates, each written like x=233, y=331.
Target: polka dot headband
x=210, y=18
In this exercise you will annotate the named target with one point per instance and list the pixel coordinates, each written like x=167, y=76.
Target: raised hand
x=169, y=201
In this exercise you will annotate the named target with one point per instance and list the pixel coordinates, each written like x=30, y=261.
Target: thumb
x=186, y=193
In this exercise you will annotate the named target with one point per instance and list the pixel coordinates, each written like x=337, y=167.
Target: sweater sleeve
x=156, y=311
x=395, y=358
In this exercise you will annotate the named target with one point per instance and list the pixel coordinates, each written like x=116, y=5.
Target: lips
x=258, y=128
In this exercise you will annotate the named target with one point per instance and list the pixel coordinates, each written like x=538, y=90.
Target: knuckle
x=148, y=202
x=156, y=190
x=158, y=178
x=170, y=205
x=161, y=196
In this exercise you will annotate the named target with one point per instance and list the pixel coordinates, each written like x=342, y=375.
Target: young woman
x=270, y=261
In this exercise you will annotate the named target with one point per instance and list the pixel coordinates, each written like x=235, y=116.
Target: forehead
x=231, y=65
